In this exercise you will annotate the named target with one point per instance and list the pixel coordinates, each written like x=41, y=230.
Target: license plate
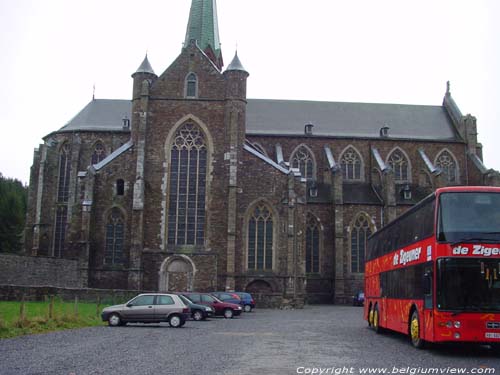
x=492, y=335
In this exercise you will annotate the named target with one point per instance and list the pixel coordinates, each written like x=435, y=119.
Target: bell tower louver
x=203, y=27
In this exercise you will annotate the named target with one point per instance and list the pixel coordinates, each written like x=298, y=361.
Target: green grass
x=37, y=317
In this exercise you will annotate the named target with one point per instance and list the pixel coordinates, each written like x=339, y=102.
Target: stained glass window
x=60, y=230
x=448, y=166
x=360, y=232
x=114, y=238
x=302, y=159
x=351, y=165
x=399, y=164
x=99, y=153
x=188, y=177
x=64, y=173
x=260, y=239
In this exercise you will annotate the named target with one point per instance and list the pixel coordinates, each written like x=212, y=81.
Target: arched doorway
x=177, y=274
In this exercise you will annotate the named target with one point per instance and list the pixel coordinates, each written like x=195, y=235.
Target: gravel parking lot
x=334, y=339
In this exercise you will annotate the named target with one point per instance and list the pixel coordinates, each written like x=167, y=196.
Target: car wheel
x=175, y=321
x=197, y=315
x=228, y=313
x=247, y=308
x=416, y=341
x=114, y=320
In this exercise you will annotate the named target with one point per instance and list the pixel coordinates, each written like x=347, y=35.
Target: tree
x=13, y=197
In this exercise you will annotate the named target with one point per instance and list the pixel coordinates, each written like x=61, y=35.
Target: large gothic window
x=312, y=245
x=188, y=173
x=60, y=230
x=260, y=239
x=113, y=253
x=64, y=173
x=350, y=163
x=400, y=165
x=99, y=153
x=446, y=162
x=303, y=160
x=360, y=231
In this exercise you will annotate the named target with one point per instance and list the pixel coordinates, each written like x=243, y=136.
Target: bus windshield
x=469, y=217
x=468, y=284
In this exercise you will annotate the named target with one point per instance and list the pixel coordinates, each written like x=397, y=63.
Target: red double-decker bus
x=434, y=272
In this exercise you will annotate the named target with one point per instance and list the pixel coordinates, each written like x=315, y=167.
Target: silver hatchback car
x=148, y=308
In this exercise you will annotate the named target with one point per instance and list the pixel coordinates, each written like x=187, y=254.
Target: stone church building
x=190, y=185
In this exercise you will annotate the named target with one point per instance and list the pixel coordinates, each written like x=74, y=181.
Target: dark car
x=198, y=312
x=148, y=308
x=247, y=301
x=230, y=297
x=358, y=299
x=225, y=309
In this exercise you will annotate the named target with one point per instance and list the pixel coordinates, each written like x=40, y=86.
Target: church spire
x=203, y=27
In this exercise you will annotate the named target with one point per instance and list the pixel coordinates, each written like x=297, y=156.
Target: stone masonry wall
x=29, y=270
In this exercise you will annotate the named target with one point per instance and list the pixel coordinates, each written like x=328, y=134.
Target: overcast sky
x=52, y=52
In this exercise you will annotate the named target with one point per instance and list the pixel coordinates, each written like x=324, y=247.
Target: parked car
x=230, y=297
x=358, y=299
x=225, y=309
x=198, y=312
x=247, y=301
x=148, y=308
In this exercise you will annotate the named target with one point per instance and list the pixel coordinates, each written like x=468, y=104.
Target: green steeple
x=203, y=27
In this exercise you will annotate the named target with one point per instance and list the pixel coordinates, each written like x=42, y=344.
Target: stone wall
x=40, y=293
x=30, y=270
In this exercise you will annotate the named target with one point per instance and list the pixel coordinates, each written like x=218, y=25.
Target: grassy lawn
x=40, y=317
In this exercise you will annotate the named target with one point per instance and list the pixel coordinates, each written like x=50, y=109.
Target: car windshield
x=468, y=284
x=214, y=298
x=469, y=217
x=185, y=299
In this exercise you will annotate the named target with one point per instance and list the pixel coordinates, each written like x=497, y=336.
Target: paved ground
x=334, y=339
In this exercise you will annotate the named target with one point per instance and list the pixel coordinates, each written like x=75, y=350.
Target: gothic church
x=190, y=185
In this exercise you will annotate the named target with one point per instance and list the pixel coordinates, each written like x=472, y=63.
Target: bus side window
x=427, y=288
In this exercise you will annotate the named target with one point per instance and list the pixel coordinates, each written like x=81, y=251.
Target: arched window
x=99, y=153
x=350, y=163
x=113, y=253
x=304, y=161
x=360, y=231
x=64, y=173
x=399, y=164
x=191, y=86
x=446, y=162
x=260, y=239
x=188, y=176
x=312, y=244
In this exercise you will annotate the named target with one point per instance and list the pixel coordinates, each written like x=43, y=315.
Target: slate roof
x=288, y=117
x=100, y=115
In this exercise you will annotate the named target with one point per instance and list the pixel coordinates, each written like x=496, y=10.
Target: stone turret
x=143, y=73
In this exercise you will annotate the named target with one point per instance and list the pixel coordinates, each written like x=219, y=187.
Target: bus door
x=428, y=315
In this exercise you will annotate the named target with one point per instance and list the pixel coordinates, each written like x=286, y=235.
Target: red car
x=225, y=309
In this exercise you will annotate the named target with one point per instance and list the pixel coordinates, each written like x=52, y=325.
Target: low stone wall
x=40, y=293
x=30, y=270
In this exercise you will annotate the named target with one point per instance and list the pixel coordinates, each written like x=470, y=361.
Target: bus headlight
x=457, y=324
x=456, y=335
x=449, y=324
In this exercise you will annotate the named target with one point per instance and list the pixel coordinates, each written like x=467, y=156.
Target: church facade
x=190, y=185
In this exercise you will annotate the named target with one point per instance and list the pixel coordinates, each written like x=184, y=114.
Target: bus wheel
x=376, y=320
x=370, y=316
x=416, y=341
